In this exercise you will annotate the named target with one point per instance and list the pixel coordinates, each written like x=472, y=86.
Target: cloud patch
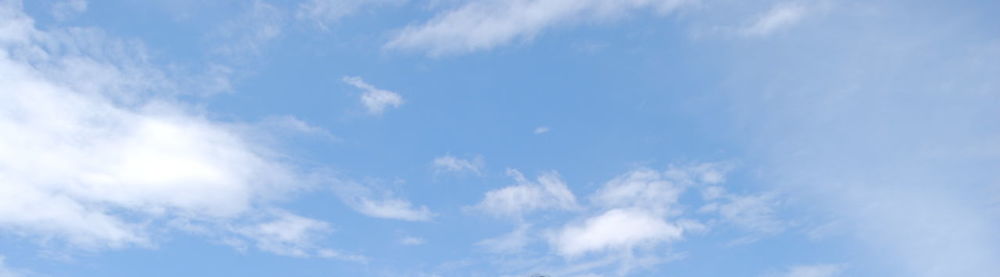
x=95, y=154
x=375, y=100
x=452, y=164
x=484, y=25
x=547, y=192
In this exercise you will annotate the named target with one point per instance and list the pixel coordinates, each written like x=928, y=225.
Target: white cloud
x=94, y=153
x=483, y=25
x=781, y=16
x=449, y=163
x=616, y=229
x=380, y=204
x=820, y=270
x=410, y=240
x=374, y=99
x=642, y=188
x=287, y=234
x=541, y=130
x=754, y=213
x=548, y=192
x=393, y=208
x=67, y=9
x=634, y=209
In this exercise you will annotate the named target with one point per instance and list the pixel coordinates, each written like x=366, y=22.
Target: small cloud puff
x=374, y=99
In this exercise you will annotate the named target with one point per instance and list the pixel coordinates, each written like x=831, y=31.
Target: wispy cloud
x=374, y=99
x=547, y=192
x=379, y=203
x=780, y=16
x=323, y=12
x=541, y=130
x=412, y=241
x=286, y=234
x=251, y=32
x=90, y=162
x=483, y=25
x=452, y=164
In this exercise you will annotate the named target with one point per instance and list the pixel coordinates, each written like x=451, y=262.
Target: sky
x=759, y=138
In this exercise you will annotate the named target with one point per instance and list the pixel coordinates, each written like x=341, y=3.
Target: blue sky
x=762, y=138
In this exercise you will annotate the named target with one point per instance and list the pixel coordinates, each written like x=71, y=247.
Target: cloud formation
x=374, y=99
x=483, y=25
x=780, y=16
x=547, y=192
x=95, y=154
x=379, y=203
x=452, y=164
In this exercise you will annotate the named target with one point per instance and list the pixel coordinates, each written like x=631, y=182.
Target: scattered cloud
x=410, y=240
x=95, y=154
x=374, y=99
x=483, y=25
x=380, y=204
x=547, y=192
x=452, y=164
x=289, y=126
x=754, y=213
x=624, y=224
x=287, y=234
x=780, y=16
x=616, y=229
x=643, y=189
x=541, y=130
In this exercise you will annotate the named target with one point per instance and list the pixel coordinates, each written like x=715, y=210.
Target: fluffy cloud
x=616, y=229
x=547, y=192
x=449, y=163
x=94, y=153
x=482, y=25
x=374, y=99
x=634, y=209
x=624, y=224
